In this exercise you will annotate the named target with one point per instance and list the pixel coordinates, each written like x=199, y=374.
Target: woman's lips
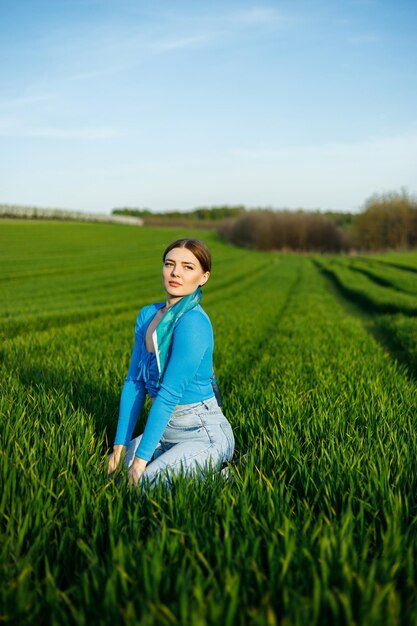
x=174, y=284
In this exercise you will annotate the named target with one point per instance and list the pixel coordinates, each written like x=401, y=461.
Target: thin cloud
x=363, y=3
x=23, y=101
x=382, y=148
x=98, y=73
x=257, y=15
x=47, y=132
x=366, y=38
x=343, y=21
x=182, y=42
x=213, y=30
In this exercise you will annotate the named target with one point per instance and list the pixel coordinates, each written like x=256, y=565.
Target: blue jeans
x=197, y=437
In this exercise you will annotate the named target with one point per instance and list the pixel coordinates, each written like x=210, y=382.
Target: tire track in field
x=247, y=361
x=64, y=292
x=55, y=271
x=41, y=302
x=374, y=326
x=57, y=321
x=398, y=266
x=361, y=298
x=378, y=280
x=382, y=276
x=250, y=278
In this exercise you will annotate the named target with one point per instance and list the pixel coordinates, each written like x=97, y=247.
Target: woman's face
x=182, y=273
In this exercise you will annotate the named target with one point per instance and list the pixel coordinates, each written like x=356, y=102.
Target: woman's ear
x=204, y=279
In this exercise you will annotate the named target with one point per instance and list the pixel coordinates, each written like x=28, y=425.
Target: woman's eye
x=189, y=267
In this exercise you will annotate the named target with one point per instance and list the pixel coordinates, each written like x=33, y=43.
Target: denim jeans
x=197, y=437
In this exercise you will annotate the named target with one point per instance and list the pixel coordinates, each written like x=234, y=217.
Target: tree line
x=386, y=222
x=205, y=214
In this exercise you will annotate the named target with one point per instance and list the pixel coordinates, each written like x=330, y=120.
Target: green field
x=317, y=362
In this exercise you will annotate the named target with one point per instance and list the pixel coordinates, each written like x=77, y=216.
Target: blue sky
x=178, y=104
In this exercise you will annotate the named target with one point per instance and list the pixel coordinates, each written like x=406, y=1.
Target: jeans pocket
x=185, y=421
x=185, y=428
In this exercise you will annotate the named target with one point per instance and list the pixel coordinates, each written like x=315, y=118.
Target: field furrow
x=357, y=286
x=386, y=276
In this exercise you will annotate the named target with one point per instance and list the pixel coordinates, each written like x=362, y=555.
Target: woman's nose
x=175, y=271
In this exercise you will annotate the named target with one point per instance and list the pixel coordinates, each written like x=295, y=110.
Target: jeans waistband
x=209, y=402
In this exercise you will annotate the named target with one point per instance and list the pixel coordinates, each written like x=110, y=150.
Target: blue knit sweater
x=187, y=378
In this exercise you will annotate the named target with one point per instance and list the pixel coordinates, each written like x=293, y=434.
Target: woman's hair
x=197, y=247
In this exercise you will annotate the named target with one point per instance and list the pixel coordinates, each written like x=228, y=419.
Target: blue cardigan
x=187, y=378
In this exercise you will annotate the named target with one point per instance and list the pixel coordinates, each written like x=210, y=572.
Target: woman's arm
x=131, y=400
x=192, y=337
x=133, y=392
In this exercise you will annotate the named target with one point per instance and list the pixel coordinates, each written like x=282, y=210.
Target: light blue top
x=187, y=377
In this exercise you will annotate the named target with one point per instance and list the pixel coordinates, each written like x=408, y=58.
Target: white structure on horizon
x=27, y=212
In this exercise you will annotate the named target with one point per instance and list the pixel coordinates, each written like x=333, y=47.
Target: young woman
x=172, y=360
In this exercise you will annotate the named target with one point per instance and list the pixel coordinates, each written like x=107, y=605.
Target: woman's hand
x=136, y=470
x=115, y=458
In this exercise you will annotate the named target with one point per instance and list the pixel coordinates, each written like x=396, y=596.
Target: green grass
x=319, y=527
x=400, y=334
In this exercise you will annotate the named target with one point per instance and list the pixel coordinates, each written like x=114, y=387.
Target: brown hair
x=197, y=247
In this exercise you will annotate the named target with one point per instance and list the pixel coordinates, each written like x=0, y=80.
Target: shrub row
x=271, y=230
x=387, y=222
